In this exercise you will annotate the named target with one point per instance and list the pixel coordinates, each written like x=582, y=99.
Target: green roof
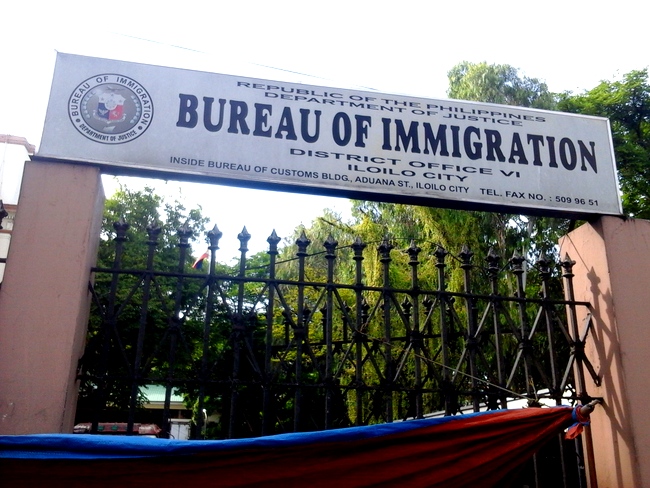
x=156, y=393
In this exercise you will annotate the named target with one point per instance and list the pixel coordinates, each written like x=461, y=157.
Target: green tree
x=503, y=84
x=498, y=83
x=627, y=105
x=481, y=82
x=127, y=347
x=430, y=227
x=141, y=209
x=139, y=218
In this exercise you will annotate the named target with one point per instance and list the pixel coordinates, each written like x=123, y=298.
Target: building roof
x=19, y=141
x=156, y=394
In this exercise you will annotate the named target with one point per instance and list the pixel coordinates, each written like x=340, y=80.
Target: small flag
x=198, y=264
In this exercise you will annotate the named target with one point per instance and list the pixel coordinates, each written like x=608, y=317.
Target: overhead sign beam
x=216, y=128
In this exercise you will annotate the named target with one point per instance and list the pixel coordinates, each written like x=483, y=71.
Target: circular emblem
x=110, y=109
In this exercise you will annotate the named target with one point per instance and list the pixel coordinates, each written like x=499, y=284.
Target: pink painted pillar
x=44, y=299
x=612, y=271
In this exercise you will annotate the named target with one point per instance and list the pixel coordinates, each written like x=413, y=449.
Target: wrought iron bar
x=450, y=404
x=358, y=335
x=415, y=338
x=153, y=232
x=330, y=245
x=267, y=398
x=238, y=333
x=214, y=236
x=175, y=326
x=300, y=331
x=578, y=356
x=472, y=339
x=384, y=258
x=109, y=326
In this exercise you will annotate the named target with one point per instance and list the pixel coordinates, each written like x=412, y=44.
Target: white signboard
x=212, y=127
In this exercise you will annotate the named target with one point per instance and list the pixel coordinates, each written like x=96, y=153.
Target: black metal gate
x=334, y=336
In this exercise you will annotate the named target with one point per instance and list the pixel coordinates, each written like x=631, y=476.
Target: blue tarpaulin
x=466, y=450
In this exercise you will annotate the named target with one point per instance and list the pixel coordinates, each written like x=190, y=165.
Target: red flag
x=198, y=264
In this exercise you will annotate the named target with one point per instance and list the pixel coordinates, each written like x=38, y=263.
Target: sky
x=402, y=48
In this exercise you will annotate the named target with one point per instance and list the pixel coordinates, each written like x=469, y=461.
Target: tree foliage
x=403, y=226
x=503, y=84
x=171, y=325
x=149, y=224
x=480, y=231
x=627, y=105
x=498, y=83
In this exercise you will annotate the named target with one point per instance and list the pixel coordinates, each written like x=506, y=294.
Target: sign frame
x=239, y=131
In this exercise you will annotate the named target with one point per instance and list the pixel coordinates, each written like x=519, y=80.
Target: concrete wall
x=612, y=271
x=44, y=299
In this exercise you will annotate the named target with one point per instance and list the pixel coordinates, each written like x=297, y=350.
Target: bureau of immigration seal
x=110, y=109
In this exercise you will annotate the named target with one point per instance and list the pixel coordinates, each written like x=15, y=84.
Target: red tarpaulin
x=465, y=450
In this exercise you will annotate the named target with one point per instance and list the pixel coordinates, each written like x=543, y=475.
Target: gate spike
x=273, y=241
x=214, y=236
x=466, y=256
x=153, y=231
x=121, y=226
x=413, y=249
x=303, y=243
x=243, y=237
x=330, y=244
x=185, y=232
x=358, y=244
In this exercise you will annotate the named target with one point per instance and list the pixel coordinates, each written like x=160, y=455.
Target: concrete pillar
x=44, y=299
x=612, y=271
